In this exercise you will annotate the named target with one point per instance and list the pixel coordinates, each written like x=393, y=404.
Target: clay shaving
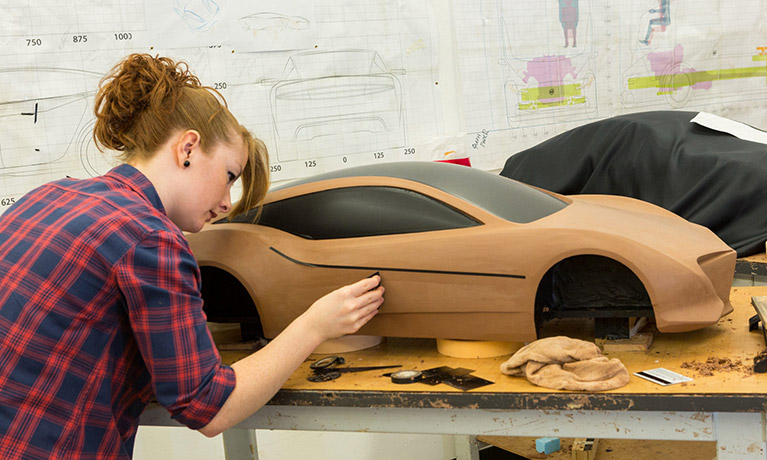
x=714, y=364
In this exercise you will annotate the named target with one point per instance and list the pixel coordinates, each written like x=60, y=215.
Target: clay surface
x=477, y=257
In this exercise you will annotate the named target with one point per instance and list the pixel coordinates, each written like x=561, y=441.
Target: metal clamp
x=760, y=305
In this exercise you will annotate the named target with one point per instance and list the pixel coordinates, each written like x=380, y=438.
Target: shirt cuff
x=209, y=400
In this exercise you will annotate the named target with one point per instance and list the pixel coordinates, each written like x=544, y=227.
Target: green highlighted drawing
x=681, y=79
x=551, y=96
x=552, y=91
x=672, y=75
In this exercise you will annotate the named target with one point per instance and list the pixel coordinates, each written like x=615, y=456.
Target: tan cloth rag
x=563, y=363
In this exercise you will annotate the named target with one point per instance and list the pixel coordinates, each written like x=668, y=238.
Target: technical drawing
x=346, y=97
x=568, y=17
x=44, y=126
x=273, y=22
x=690, y=58
x=199, y=15
x=94, y=161
x=658, y=23
x=540, y=82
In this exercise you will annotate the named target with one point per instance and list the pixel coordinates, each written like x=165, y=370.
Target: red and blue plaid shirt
x=100, y=312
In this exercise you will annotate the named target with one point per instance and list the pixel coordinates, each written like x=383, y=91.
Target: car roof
x=506, y=198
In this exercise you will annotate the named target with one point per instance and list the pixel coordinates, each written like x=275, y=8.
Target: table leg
x=740, y=436
x=466, y=447
x=240, y=444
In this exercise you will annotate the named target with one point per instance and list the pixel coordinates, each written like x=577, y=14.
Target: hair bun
x=137, y=84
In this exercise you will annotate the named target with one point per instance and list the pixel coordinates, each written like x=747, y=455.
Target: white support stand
x=240, y=444
x=738, y=435
x=466, y=447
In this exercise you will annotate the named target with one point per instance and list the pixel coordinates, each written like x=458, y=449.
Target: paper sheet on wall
x=326, y=84
x=243, y=26
x=330, y=84
x=533, y=69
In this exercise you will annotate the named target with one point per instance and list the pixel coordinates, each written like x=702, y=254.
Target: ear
x=187, y=146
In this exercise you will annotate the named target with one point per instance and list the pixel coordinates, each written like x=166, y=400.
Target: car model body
x=463, y=254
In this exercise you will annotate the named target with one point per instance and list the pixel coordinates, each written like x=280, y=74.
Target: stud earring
x=186, y=163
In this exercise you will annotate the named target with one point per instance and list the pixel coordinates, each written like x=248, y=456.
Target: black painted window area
x=506, y=198
x=361, y=211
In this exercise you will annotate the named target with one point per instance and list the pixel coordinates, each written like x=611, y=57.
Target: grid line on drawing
x=45, y=17
x=340, y=95
x=358, y=116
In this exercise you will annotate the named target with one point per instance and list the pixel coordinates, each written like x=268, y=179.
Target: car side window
x=362, y=211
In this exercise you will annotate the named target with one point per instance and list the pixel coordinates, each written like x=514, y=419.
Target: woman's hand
x=346, y=309
x=261, y=374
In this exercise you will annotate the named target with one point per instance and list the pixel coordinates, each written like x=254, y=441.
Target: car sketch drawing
x=324, y=98
x=273, y=22
x=198, y=15
x=50, y=125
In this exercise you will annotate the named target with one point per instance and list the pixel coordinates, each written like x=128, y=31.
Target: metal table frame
x=735, y=422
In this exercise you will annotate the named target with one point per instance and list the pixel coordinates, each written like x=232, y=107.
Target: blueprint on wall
x=325, y=84
x=532, y=69
x=330, y=84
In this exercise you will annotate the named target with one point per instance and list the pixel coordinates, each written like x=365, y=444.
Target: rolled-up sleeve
x=160, y=281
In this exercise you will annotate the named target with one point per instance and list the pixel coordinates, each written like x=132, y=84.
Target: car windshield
x=506, y=198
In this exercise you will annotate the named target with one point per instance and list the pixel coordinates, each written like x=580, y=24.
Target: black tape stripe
x=653, y=378
x=389, y=269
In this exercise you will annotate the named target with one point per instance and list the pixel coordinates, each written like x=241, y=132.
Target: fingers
x=364, y=285
x=367, y=301
x=367, y=311
x=347, y=309
x=364, y=319
x=373, y=296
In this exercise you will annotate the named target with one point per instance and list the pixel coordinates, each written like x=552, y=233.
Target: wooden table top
x=719, y=358
x=752, y=265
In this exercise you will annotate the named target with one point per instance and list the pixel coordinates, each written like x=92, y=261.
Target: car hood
x=636, y=221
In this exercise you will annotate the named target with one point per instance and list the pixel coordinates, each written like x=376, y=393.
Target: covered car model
x=463, y=253
x=706, y=176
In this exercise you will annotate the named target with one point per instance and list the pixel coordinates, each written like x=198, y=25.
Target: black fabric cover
x=705, y=176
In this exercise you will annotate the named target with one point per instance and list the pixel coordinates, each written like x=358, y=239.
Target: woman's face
x=211, y=176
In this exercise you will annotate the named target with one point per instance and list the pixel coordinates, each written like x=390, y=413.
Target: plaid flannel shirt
x=100, y=312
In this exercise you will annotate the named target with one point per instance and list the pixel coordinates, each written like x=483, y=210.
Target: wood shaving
x=715, y=364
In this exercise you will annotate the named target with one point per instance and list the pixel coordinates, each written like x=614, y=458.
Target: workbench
x=752, y=268
x=725, y=403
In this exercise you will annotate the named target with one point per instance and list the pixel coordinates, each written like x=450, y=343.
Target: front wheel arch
x=579, y=284
x=226, y=300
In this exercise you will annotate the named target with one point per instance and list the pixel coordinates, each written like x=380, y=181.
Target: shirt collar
x=137, y=181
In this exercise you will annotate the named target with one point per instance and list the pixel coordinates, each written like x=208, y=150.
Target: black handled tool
x=325, y=370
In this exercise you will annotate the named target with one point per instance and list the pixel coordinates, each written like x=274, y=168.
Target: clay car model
x=463, y=254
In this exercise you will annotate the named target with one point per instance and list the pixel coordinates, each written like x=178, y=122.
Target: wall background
x=330, y=84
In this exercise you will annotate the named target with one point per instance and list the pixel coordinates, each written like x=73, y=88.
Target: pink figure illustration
x=669, y=63
x=568, y=16
x=549, y=71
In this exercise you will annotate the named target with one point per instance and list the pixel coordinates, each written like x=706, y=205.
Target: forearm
x=260, y=375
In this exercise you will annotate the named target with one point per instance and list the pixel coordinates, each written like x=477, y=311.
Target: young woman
x=100, y=308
